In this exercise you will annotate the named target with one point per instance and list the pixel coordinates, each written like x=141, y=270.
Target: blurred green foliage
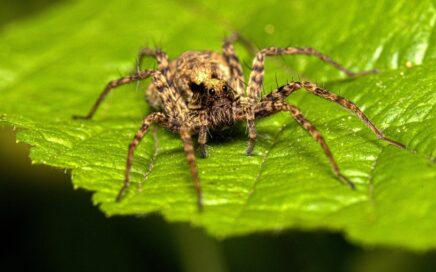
x=12, y=11
x=62, y=59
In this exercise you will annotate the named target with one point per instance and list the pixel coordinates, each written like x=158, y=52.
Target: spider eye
x=225, y=88
x=212, y=92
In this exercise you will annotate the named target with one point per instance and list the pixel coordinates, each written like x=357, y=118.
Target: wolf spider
x=204, y=90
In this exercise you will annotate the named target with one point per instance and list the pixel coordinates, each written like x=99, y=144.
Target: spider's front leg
x=161, y=59
x=237, y=75
x=257, y=75
x=157, y=118
x=268, y=107
x=286, y=90
x=296, y=114
x=249, y=103
x=202, y=133
x=177, y=110
x=140, y=75
x=185, y=135
x=175, y=113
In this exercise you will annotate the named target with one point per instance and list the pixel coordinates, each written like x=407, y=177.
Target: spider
x=205, y=90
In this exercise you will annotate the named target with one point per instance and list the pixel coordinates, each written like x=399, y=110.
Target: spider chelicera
x=204, y=90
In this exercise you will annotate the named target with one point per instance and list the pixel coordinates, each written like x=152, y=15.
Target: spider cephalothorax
x=205, y=90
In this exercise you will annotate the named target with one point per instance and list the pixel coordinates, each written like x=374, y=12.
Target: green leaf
x=54, y=65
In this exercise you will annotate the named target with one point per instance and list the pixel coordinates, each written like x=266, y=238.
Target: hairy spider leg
x=174, y=108
x=255, y=82
x=238, y=81
x=161, y=59
x=185, y=135
x=246, y=43
x=286, y=90
x=172, y=102
x=177, y=110
x=173, y=105
x=234, y=64
x=254, y=90
x=175, y=114
x=157, y=118
x=266, y=108
x=140, y=75
x=275, y=51
x=202, y=133
x=309, y=127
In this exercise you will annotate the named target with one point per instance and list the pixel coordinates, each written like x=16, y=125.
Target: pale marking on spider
x=204, y=90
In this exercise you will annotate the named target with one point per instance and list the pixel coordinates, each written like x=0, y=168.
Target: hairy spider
x=204, y=90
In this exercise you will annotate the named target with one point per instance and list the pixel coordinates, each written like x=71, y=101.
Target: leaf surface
x=56, y=64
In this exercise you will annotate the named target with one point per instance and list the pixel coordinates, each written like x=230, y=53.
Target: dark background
x=46, y=225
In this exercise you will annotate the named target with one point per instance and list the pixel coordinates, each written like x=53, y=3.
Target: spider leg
x=268, y=107
x=246, y=43
x=275, y=51
x=257, y=74
x=202, y=133
x=249, y=103
x=157, y=118
x=313, y=89
x=185, y=135
x=282, y=92
x=233, y=62
x=140, y=75
x=252, y=134
x=173, y=105
x=161, y=59
x=296, y=114
x=171, y=100
x=288, y=89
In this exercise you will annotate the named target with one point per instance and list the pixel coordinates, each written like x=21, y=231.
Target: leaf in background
x=55, y=65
